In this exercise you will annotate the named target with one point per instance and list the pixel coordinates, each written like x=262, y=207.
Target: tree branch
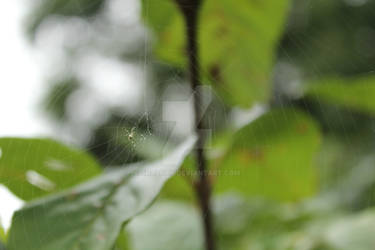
x=190, y=10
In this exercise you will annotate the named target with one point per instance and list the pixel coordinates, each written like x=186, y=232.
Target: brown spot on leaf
x=302, y=128
x=222, y=31
x=256, y=154
x=100, y=237
x=215, y=73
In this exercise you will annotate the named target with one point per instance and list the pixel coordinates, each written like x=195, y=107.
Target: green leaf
x=353, y=93
x=167, y=226
x=181, y=186
x=91, y=216
x=122, y=242
x=272, y=156
x=237, y=43
x=32, y=168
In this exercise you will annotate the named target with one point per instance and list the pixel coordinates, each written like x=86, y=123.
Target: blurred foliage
x=355, y=93
x=236, y=43
x=183, y=230
x=257, y=224
x=301, y=175
x=331, y=37
x=57, y=97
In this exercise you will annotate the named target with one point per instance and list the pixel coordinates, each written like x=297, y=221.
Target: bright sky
x=20, y=89
x=20, y=77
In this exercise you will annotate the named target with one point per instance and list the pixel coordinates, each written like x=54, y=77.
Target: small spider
x=131, y=134
x=133, y=137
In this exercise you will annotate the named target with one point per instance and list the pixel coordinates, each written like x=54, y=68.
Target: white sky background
x=20, y=76
x=20, y=88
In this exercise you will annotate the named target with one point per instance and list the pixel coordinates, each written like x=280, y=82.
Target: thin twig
x=190, y=9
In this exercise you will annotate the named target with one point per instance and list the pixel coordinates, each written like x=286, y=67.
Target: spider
x=133, y=136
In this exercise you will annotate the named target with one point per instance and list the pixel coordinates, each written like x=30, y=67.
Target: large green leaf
x=91, y=215
x=237, y=43
x=32, y=168
x=354, y=93
x=272, y=157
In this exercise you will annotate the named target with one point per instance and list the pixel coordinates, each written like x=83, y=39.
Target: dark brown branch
x=190, y=9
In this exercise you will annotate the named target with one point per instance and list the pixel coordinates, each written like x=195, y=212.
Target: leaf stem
x=190, y=10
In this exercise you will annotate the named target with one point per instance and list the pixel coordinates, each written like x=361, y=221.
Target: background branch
x=190, y=9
